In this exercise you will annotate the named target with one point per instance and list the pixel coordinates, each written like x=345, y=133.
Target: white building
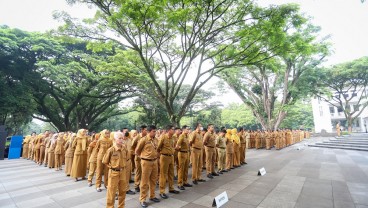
x=326, y=116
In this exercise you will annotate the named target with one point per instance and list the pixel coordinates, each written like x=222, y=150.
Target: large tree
x=345, y=86
x=65, y=78
x=184, y=41
x=270, y=87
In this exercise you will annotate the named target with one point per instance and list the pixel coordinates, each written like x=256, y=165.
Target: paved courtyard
x=297, y=176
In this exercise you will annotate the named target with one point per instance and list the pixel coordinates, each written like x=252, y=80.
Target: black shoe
x=130, y=192
x=137, y=189
x=181, y=188
x=174, y=192
x=214, y=174
x=245, y=163
x=195, y=182
x=224, y=171
x=209, y=176
x=144, y=204
x=188, y=185
x=220, y=173
x=164, y=196
x=131, y=181
x=232, y=168
x=155, y=200
x=201, y=180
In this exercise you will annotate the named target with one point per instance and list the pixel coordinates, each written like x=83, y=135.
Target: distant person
x=338, y=130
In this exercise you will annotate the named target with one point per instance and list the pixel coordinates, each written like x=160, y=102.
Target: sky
x=345, y=20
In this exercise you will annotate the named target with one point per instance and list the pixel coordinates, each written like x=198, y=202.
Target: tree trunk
x=350, y=124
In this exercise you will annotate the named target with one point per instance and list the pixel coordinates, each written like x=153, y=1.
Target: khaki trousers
x=183, y=163
x=229, y=160
x=210, y=159
x=128, y=173
x=196, y=163
x=221, y=161
x=138, y=171
x=101, y=169
x=46, y=160
x=258, y=143
x=42, y=154
x=242, y=152
x=91, y=170
x=148, y=180
x=166, y=172
x=117, y=184
x=58, y=161
x=236, y=156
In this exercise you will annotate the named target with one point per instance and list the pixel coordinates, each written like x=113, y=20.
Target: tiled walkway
x=308, y=177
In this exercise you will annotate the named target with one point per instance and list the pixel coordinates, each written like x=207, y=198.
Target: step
x=345, y=145
x=339, y=142
x=339, y=147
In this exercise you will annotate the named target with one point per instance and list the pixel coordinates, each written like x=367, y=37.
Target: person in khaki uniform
x=45, y=147
x=51, y=151
x=69, y=153
x=102, y=145
x=236, y=143
x=25, y=146
x=58, y=146
x=147, y=151
x=221, y=151
x=258, y=139
x=79, y=166
x=127, y=140
x=115, y=159
x=166, y=149
x=196, y=143
x=92, y=159
x=209, y=142
x=37, y=143
x=229, y=151
x=176, y=160
x=182, y=147
x=243, y=143
x=31, y=146
x=137, y=159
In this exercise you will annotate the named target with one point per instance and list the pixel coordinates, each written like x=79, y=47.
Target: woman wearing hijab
x=79, y=166
x=58, y=146
x=69, y=153
x=102, y=145
x=51, y=151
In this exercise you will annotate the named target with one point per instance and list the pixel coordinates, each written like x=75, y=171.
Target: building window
x=320, y=111
x=332, y=109
x=356, y=107
x=340, y=110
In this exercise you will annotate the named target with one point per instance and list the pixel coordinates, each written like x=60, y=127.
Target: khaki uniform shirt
x=183, y=143
x=166, y=145
x=102, y=145
x=147, y=148
x=209, y=139
x=221, y=142
x=115, y=157
x=196, y=140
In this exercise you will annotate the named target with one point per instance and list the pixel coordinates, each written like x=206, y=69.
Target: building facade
x=326, y=115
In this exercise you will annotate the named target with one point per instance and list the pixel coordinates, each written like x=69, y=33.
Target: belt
x=149, y=159
x=197, y=148
x=210, y=147
x=116, y=169
x=183, y=151
x=127, y=160
x=167, y=155
x=221, y=147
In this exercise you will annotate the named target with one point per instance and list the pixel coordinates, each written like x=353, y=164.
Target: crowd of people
x=153, y=156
